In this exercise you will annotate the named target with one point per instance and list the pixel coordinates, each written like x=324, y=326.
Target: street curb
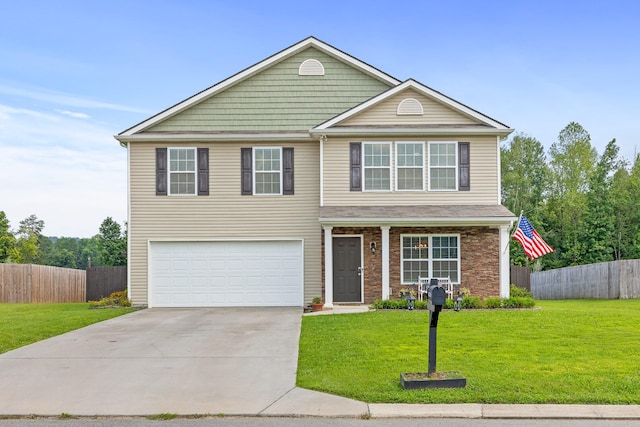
x=498, y=411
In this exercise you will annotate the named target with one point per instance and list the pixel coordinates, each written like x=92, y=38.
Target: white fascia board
x=184, y=137
x=422, y=222
x=254, y=69
x=425, y=90
x=417, y=131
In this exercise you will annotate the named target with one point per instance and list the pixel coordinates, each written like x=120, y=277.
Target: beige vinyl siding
x=484, y=179
x=224, y=214
x=385, y=113
x=278, y=99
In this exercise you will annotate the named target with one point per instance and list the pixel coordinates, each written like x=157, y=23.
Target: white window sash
x=365, y=167
x=421, y=167
x=256, y=172
x=171, y=172
x=430, y=258
x=454, y=168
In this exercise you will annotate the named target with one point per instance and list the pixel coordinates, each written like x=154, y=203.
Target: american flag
x=531, y=242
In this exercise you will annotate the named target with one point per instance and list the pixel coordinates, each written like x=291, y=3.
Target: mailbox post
x=436, y=296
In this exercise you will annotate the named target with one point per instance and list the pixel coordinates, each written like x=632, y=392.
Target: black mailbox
x=436, y=295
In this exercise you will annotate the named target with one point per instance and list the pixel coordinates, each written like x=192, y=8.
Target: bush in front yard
x=116, y=299
x=467, y=303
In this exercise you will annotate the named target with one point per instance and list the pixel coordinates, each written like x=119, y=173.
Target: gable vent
x=410, y=107
x=311, y=67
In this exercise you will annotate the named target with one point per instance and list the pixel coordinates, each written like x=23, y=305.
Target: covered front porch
x=370, y=253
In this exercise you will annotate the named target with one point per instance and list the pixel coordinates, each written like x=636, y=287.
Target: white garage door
x=226, y=274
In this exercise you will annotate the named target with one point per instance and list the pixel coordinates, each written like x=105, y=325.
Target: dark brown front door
x=347, y=269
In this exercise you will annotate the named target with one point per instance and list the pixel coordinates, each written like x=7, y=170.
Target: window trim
x=410, y=167
x=365, y=167
x=430, y=260
x=455, y=168
x=255, y=171
x=194, y=172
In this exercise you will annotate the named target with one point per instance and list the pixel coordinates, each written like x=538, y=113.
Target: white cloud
x=74, y=114
x=69, y=173
x=60, y=98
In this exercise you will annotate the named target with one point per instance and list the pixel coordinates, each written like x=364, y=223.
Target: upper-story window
x=267, y=170
x=443, y=165
x=410, y=166
x=182, y=171
x=377, y=166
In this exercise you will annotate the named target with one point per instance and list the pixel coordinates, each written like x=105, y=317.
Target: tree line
x=585, y=205
x=27, y=245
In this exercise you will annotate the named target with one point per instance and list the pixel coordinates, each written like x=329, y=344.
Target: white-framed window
x=426, y=255
x=376, y=160
x=267, y=170
x=410, y=166
x=182, y=171
x=443, y=165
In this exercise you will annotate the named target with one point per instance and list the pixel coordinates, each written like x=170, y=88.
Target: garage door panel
x=230, y=273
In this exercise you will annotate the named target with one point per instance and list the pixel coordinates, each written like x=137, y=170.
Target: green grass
x=580, y=351
x=22, y=324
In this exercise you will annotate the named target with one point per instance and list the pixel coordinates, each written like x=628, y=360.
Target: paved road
x=312, y=422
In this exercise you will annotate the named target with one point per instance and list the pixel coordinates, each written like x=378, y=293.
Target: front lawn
x=22, y=324
x=579, y=351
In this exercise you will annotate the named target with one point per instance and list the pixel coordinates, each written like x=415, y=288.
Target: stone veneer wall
x=479, y=258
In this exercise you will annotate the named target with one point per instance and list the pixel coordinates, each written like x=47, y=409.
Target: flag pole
x=513, y=231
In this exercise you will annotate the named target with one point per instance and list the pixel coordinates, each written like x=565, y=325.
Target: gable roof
x=485, y=124
x=254, y=69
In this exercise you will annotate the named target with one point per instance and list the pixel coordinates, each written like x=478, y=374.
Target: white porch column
x=385, y=261
x=328, y=267
x=504, y=262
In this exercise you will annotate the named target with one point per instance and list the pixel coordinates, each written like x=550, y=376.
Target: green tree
x=572, y=160
x=524, y=183
x=112, y=243
x=7, y=239
x=524, y=174
x=629, y=229
x=599, y=222
x=27, y=248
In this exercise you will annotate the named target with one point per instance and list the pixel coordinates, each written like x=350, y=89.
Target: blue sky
x=75, y=73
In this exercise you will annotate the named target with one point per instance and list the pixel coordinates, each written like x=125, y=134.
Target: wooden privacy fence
x=606, y=280
x=102, y=281
x=520, y=276
x=29, y=283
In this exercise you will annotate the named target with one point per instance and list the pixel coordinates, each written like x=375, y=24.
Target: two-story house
x=312, y=173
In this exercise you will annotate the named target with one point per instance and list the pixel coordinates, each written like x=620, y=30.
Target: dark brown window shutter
x=203, y=171
x=161, y=171
x=287, y=170
x=464, y=179
x=355, y=154
x=246, y=162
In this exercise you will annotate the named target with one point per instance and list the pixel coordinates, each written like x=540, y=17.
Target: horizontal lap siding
x=277, y=99
x=435, y=113
x=484, y=177
x=224, y=213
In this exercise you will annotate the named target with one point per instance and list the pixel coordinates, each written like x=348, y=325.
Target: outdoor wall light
x=372, y=246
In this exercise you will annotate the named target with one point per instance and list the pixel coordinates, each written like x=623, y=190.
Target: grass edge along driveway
x=23, y=324
x=574, y=351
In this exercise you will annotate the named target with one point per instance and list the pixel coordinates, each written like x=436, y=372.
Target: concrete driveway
x=183, y=361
